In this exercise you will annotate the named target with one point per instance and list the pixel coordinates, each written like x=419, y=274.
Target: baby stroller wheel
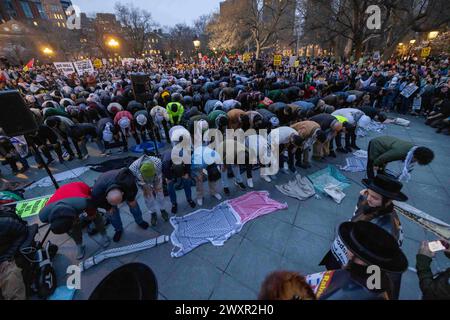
x=46, y=281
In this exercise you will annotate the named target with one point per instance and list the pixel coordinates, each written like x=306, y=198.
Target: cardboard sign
x=409, y=90
x=296, y=63
x=98, y=63
x=277, y=60
x=84, y=66
x=292, y=60
x=65, y=68
x=128, y=61
x=376, y=55
x=246, y=57
x=31, y=207
x=425, y=52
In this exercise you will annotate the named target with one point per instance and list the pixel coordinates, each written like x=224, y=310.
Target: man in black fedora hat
x=373, y=256
x=374, y=205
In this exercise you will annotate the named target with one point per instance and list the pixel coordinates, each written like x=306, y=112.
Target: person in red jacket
x=124, y=120
x=63, y=212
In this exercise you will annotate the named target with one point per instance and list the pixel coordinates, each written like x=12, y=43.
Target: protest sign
x=409, y=90
x=246, y=57
x=84, y=66
x=425, y=52
x=296, y=63
x=98, y=63
x=31, y=207
x=127, y=61
x=277, y=60
x=292, y=60
x=65, y=68
x=376, y=55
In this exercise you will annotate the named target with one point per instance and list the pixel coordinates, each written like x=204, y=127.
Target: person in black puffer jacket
x=13, y=233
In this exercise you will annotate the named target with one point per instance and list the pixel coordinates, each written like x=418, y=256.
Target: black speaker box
x=16, y=119
x=141, y=86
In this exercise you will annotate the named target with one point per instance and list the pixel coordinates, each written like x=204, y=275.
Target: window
x=26, y=9
x=10, y=9
x=41, y=11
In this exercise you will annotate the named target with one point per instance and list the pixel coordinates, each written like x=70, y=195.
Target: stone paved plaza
x=293, y=239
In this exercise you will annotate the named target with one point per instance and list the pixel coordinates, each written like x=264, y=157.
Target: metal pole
x=33, y=145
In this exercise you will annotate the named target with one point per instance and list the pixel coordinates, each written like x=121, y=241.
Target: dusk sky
x=166, y=13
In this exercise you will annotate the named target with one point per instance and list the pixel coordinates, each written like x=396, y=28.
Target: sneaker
x=144, y=225
x=266, y=178
x=354, y=146
x=217, y=196
x=117, y=236
x=240, y=185
x=192, y=204
x=349, y=149
x=341, y=150
x=81, y=250
x=105, y=241
x=154, y=219
x=70, y=158
x=86, y=157
x=250, y=182
x=226, y=191
x=174, y=208
x=165, y=215
x=200, y=201
x=285, y=170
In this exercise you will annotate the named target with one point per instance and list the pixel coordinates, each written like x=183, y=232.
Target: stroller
x=34, y=258
x=36, y=261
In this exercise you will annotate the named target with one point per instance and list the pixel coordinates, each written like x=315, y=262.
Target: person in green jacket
x=432, y=287
x=175, y=111
x=218, y=119
x=385, y=149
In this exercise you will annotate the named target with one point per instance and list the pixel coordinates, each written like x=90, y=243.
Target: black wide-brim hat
x=373, y=245
x=386, y=186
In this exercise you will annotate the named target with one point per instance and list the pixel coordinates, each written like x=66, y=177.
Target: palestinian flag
x=29, y=65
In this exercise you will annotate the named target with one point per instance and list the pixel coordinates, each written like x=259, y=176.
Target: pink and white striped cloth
x=255, y=204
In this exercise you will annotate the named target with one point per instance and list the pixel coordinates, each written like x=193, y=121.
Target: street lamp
x=113, y=43
x=47, y=51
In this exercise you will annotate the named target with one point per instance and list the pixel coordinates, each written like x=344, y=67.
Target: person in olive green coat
x=433, y=287
x=385, y=149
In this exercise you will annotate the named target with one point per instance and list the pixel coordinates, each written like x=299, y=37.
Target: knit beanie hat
x=148, y=170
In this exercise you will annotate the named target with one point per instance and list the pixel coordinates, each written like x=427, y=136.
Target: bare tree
x=346, y=20
x=269, y=21
x=137, y=25
x=180, y=40
x=224, y=34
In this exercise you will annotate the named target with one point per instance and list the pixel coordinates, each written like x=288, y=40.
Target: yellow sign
x=425, y=52
x=287, y=53
x=246, y=57
x=277, y=60
x=296, y=63
x=98, y=63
